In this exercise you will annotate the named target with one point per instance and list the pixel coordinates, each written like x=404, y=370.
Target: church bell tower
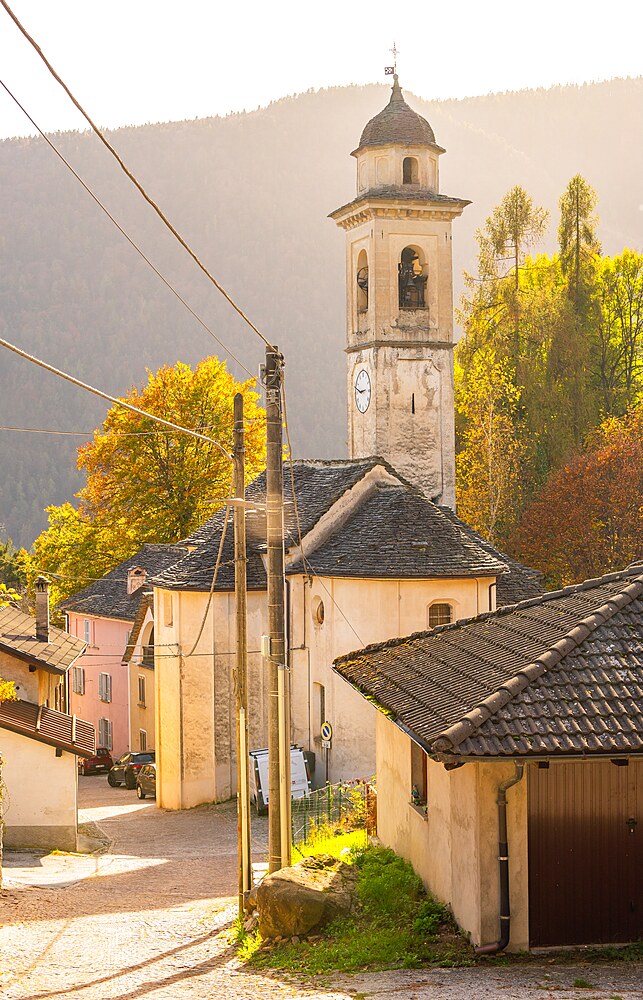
x=399, y=315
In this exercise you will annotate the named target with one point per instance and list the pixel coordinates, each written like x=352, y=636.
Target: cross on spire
x=392, y=70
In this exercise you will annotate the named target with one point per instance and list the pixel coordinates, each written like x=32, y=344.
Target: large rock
x=294, y=900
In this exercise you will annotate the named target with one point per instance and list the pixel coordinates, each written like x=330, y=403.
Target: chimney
x=42, y=608
x=136, y=577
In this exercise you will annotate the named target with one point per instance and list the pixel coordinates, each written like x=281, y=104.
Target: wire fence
x=340, y=808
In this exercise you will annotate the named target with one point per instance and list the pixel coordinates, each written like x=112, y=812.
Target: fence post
x=305, y=819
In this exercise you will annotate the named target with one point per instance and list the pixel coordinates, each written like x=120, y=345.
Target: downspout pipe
x=503, y=866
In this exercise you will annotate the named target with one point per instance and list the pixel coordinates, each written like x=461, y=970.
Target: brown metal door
x=585, y=853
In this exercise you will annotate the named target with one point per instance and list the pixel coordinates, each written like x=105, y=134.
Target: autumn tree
x=147, y=484
x=7, y=597
x=489, y=460
x=588, y=519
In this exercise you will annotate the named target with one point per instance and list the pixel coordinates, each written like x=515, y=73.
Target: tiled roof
x=396, y=532
x=397, y=123
x=108, y=597
x=18, y=636
x=318, y=485
x=520, y=583
x=56, y=729
x=559, y=674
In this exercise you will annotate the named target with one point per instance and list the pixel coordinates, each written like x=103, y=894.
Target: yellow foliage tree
x=491, y=452
x=146, y=484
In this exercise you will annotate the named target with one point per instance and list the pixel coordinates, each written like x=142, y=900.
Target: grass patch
x=396, y=925
x=330, y=843
x=582, y=984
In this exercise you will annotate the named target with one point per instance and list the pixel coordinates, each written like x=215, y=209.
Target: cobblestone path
x=151, y=919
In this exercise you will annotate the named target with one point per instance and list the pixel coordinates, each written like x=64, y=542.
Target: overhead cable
x=129, y=239
x=111, y=399
x=131, y=176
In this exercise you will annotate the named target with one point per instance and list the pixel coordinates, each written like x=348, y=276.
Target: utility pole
x=278, y=700
x=241, y=677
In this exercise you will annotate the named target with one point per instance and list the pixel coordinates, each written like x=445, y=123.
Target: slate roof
x=521, y=582
x=56, y=729
x=397, y=123
x=561, y=674
x=18, y=637
x=146, y=604
x=394, y=191
x=395, y=532
x=108, y=597
x=318, y=486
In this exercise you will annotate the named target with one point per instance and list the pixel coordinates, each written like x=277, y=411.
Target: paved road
x=151, y=919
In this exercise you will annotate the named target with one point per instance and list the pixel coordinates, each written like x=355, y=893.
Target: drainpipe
x=503, y=866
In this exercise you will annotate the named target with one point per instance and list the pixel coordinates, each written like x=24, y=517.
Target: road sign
x=326, y=744
x=326, y=732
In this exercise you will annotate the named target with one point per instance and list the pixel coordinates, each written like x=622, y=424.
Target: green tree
x=512, y=229
x=619, y=339
x=577, y=237
x=145, y=484
x=12, y=568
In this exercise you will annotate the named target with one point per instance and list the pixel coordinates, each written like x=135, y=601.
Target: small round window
x=318, y=611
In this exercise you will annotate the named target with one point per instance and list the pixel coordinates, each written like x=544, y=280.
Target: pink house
x=102, y=615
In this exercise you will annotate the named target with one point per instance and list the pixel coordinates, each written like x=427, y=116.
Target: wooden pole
x=275, y=553
x=241, y=674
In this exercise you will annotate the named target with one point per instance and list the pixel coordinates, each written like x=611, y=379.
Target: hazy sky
x=134, y=61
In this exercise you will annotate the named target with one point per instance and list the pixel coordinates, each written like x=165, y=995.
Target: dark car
x=127, y=767
x=146, y=781
x=99, y=763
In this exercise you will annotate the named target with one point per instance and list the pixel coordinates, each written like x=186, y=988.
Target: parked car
x=99, y=763
x=146, y=781
x=127, y=767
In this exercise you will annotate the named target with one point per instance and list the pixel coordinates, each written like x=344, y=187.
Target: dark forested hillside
x=251, y=192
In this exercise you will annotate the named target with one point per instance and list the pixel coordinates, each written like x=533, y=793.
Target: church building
x=381, y=553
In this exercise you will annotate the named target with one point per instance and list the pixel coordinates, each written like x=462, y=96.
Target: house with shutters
x=510, y=763
x=109, y=687
x=40, y=741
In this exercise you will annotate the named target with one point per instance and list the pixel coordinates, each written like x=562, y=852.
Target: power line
x=111, y=399
x=131, y=176
x=87, y=434
x=136, y=247
x=307, y=564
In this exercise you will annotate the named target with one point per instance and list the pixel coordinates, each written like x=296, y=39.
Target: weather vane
x=392, y=70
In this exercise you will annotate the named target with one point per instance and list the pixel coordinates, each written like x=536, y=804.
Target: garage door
x=585, y=853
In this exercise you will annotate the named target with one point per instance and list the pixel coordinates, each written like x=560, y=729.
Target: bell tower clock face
x=362, y=390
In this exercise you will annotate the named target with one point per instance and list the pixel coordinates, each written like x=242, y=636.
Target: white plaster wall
x=455, y=849
x=40, y=808
x=13, y=669
x=195, y=707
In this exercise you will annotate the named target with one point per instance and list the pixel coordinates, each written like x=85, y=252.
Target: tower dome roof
x=397, y=123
